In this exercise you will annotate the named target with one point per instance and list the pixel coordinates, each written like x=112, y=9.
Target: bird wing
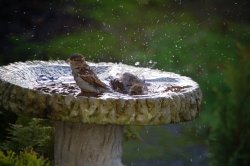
x=93, y=79
x=117, y=85
x=89, y=76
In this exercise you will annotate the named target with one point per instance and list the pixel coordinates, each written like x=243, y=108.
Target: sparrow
x=117, y=85
x=85, y=78
x=128, y=83
x=136, y=89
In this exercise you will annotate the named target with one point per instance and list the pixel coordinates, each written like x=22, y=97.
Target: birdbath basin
x=88, y=130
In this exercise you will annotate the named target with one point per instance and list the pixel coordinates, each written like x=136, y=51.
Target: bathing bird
x=86, y=78
x=128, y=83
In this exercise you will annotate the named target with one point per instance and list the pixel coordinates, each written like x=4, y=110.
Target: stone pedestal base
x=79, y=144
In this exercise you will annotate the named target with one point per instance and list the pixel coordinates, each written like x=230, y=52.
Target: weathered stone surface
x=47, y=90
x=80, y=144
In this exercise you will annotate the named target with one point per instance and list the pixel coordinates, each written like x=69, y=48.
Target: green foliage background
x=205, y=40
x=24, y=158
x=231, y=134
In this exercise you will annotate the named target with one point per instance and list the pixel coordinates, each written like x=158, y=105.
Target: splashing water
x=137, y=63
x=151, y=64
x=45, y=79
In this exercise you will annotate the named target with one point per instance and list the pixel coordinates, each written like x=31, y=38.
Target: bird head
x=77, y=60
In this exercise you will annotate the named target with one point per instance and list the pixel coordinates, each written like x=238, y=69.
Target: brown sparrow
x=128, y=84
x=85, y=78
x=136, y=89
x=117, y=85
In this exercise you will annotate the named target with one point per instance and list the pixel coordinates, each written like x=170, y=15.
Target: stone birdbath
x=88, y=130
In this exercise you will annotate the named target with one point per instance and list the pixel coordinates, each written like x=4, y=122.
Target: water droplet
x=137, y=63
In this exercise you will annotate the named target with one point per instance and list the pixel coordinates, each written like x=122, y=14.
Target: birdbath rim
x=20, y=82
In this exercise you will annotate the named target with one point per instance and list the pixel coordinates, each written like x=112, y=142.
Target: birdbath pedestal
x=88, y=130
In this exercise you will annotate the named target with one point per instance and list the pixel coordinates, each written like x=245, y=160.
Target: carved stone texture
x=88, y=130
x=47, y=90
